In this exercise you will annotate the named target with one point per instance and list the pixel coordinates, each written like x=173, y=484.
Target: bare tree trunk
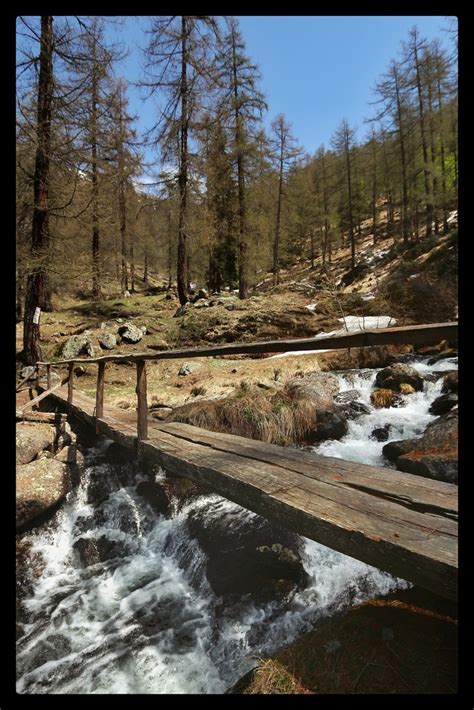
x=403, y=159
x=243, y=267
x=36, y=282
x=96, y=292
x=441, y=146
x=276, y=242
x=374, y=191
x=327, y=236
x=349, y=190
x=424, y=144
x=433, y=158
x=145, y=266
x=183, y=171
x=311, y=234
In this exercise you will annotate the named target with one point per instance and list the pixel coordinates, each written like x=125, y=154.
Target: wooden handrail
x=411, y=334
x=379, y=336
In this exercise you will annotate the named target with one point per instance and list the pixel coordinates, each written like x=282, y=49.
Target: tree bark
x=276, y=242
x=403, y=159
x=183, y=170
x=96, y=292
x=424, y=145
x=36, y=282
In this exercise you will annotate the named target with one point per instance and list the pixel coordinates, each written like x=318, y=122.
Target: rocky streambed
x=141, y=584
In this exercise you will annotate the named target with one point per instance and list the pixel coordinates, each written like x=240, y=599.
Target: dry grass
x=275, y=419
x=382, y=397
x=272, y=678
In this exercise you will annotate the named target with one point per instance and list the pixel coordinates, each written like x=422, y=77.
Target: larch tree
x=243, y=104
x=178, y=68
x=343, y=143
x=285, y=152
x=36, y=282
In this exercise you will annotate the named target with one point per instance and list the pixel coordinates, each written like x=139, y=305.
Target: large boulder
x=393, y=376
x=245, y=552
x=319, y=387
x=130, y=333
x=156, y=496
x=77, y=345
x=30, y=440
x=433, y=455
x=40, y=487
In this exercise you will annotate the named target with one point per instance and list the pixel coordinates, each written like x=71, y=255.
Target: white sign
x=36, y=316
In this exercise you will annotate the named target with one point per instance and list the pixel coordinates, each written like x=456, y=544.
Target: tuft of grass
x=272, y=678
x=276, y=419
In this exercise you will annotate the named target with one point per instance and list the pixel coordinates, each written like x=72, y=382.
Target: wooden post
x=99, y=395
x=69, y=382
x=142, y=424
x=48, y=377
x=37, y=377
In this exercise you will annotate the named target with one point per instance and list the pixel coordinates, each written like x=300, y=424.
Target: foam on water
x=147, y=621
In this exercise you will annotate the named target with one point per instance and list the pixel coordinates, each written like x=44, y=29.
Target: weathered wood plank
x=48, y=377
x=392, y=520
x=70, y=382
x=404, y=487
x=142, y=408
x=412, y=334
x=99, y=395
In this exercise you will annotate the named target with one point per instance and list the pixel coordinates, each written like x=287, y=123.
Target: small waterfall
x=143, y=619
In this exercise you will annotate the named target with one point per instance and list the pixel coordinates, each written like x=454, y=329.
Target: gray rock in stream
x=246, y=554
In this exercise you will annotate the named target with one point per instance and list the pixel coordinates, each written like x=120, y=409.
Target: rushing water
x=144, y=622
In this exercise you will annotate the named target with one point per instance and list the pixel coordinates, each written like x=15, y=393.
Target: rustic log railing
x=413, y=335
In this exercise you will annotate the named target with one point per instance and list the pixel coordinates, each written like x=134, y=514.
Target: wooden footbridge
x=398, y=522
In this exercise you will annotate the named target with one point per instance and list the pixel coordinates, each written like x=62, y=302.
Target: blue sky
x=316, y=70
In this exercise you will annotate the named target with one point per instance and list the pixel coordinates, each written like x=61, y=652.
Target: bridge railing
x=413, y=335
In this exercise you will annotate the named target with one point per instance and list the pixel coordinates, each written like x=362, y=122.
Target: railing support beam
x=99, y=395
x=142, y=407
x=70, y=382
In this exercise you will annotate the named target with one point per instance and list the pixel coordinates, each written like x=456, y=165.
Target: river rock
x=394, y=449
x=30, y=440
x=441, y=465
x=443, y=404
x=103, y=480
x=93, y=550
x=349, y=404
x=188, y=367
x=156, y=496
x=433, y=455
x=71, y=454
x=450, y=382
x=320, y=387
x=77, y=345
x=381, y=433
x=330, y=424
x=245, y=552
x=40, y=486
x=393, y=376
x=130, y=333
x=107, y=341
